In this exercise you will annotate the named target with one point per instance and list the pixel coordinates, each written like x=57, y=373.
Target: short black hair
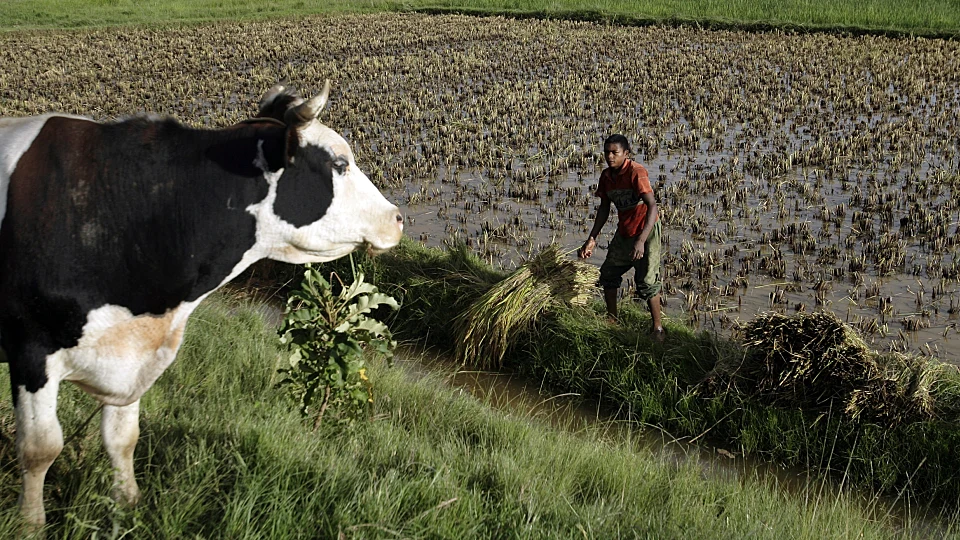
x=617, y=138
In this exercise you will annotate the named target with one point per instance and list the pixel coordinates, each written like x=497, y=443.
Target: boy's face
x=615, y=155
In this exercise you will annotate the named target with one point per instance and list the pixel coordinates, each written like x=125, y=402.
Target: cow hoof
x=128, y=497
x=34, y=519
x=33, y=530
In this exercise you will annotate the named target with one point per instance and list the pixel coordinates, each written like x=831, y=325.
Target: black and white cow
x=111, y=234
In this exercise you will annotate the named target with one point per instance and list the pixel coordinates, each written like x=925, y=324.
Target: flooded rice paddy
x=794, y=172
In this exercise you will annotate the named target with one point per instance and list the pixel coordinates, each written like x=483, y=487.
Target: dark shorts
x=647, y=268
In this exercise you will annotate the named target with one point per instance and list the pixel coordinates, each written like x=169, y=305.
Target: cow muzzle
x=388, y=233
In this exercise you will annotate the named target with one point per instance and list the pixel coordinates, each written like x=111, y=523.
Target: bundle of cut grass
x=807, y=358
x=901, y=391
x=492, y=322
x=815, y=361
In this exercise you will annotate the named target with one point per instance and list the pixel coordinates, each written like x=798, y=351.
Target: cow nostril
x=399, y=218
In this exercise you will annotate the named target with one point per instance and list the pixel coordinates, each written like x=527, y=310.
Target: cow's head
x=321, y=206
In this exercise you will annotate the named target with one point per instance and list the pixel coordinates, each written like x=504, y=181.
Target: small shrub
x=325, y=334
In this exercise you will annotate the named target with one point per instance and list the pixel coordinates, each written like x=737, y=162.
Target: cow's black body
x=141, y=213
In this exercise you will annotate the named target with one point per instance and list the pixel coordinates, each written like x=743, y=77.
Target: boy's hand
x=638, y=250
x=587, y=249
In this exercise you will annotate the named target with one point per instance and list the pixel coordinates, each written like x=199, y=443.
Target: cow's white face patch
x=358, y=213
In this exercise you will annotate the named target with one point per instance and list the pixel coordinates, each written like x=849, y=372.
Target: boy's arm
x=651, y=220
x=603, y=212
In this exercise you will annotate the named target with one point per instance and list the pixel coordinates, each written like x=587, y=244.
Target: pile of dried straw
x=491, y=323
x=816, y=362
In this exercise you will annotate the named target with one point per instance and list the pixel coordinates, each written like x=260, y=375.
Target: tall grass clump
x=434, y=286
x=814, y=361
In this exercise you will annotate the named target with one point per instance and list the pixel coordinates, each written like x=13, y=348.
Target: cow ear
x=307, y=112
x=277, y=101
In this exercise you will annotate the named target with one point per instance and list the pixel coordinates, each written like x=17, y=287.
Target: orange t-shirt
x=624, y=187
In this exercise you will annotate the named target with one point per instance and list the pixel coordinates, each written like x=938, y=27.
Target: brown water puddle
x=572, y=412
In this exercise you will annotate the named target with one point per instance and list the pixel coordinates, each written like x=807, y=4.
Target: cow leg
x=39, y=442
x=120, y=428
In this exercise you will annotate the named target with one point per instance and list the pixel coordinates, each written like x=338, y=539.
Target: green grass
x=224, y=455
x=929, y=17
x=575, y=351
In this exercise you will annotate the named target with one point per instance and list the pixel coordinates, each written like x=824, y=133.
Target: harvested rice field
x=795, y=172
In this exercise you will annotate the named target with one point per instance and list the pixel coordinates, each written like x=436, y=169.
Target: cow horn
x=309, y=110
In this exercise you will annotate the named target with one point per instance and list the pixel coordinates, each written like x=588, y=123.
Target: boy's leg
x=611, y=271
x=610, y=298
x=648, y=280
x=657, y=326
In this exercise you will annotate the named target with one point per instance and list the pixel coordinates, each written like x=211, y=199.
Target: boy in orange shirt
x=636, y=243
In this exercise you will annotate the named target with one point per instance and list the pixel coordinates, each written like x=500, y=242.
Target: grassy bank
x=223, y=455
x=661, y=384
x=929, y=17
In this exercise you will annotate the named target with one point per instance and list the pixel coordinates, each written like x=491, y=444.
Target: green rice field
x=919, y=17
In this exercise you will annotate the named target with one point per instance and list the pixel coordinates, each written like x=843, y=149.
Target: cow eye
x=340, y=165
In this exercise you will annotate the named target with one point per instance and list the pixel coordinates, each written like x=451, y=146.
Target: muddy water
x=513, y=393
x=795, y=173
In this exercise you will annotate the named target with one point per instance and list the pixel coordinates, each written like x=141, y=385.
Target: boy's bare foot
x=612, y=319
x=658, y=334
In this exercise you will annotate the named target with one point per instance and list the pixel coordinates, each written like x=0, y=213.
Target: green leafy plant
x=326, y=333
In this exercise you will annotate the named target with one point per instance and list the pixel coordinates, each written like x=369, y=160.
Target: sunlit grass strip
x=498, y=318
x=928, y=18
